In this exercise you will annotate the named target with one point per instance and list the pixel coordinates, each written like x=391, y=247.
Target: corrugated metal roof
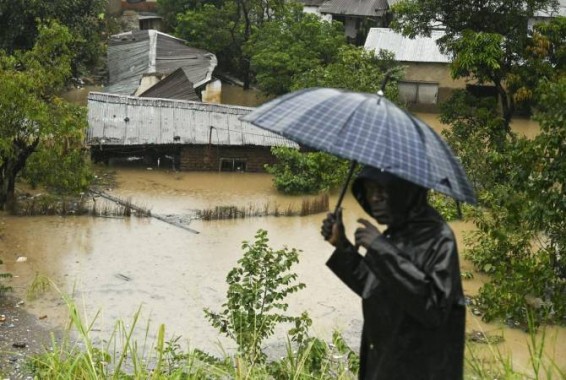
x=133, y=54
x=128, y=120
x=312, y=3
x=419, y=49
x=354, y=7
x=174, y=86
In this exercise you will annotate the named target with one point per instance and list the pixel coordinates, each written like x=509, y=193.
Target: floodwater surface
x=114, y=266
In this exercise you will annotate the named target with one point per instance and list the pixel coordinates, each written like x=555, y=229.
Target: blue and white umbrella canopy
x=368, y=129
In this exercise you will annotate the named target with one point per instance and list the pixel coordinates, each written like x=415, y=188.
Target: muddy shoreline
x=22, y=334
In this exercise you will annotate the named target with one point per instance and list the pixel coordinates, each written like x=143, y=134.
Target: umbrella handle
x=345, y=186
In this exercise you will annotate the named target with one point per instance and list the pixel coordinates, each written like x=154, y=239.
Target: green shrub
x=255, y=304
x=306, y=173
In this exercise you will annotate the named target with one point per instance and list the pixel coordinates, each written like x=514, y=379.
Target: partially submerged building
x=138, y=60
x=427, y=79
x=200, y=136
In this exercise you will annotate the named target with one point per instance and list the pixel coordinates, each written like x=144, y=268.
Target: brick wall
x=209, y=157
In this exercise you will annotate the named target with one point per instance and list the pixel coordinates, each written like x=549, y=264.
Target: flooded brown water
x=116, y=265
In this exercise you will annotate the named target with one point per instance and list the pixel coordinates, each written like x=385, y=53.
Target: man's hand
x=333, y=229
x=367, y=234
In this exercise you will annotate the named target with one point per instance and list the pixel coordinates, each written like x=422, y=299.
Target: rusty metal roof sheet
x=128, y=120
x=419, y=49
x=354, y=7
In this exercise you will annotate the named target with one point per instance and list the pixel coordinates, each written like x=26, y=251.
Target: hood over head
x=403, y=199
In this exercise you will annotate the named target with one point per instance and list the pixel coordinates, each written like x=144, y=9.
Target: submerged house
x=427, y=78
x=199, y=136
x=137, y=60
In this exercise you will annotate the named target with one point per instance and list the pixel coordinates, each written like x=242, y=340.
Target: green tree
x=486, y=39
x=226, y=28
x=543, y=57
x=84, y=18
x=296, y=43
x=520, y=238
x=306, y=173
x=517, y=240
x=255, y=300
x=33, y=119
x=170, y=9
x=370, y=72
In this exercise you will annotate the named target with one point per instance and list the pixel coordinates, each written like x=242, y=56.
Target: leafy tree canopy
x=517, y=240
x=486, y=39
x=225, y=28
x=284, y=48
x=84, y=18
x=170, y=9
x=369, y=69
x=34, y=121
x=505, y=17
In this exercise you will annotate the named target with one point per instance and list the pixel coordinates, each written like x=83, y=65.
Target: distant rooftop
x=133, y=54
x=355, y=7
x=419, y=49
x=561, y=11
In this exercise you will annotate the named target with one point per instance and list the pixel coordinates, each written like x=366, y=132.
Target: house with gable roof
x=427, y=78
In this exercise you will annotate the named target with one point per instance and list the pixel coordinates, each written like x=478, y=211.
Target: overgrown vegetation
x=83, y=18
x=306, y=173
x=38, y=131
x=277, y=46
x=519, y=241
x=255, y=300
x=485, y=360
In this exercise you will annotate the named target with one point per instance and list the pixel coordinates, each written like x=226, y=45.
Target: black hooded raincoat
x=412, y=299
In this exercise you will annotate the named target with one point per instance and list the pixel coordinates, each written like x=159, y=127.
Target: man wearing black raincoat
x=409, y=281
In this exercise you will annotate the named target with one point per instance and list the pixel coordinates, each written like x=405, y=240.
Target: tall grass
x=487, y=361
x=121, y=356
x=45, y=204
x=309, y=206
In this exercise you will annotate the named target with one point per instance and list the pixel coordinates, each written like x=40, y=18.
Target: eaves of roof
x=368, y=8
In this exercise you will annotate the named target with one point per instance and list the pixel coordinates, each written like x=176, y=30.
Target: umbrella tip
x=379, y=96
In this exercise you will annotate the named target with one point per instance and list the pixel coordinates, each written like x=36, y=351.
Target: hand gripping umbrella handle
x=345, y=186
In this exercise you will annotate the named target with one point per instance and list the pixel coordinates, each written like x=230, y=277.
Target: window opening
x=232, y=164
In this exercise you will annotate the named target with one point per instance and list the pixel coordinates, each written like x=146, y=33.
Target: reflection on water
x=118, y=265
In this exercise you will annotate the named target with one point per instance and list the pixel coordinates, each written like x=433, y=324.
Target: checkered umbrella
x=368, y=129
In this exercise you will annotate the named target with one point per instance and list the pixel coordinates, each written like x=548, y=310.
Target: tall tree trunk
x=245, y=60
x=11, y=168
